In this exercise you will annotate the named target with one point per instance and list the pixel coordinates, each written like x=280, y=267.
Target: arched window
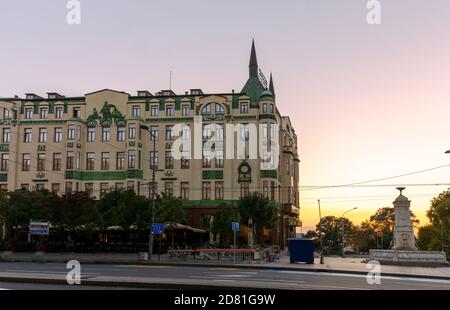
x=219, y=109
x=206, y=109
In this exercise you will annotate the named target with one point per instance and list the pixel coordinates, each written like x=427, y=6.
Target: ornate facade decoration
x=106, y=117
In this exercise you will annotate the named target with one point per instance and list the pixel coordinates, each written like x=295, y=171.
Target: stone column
x=403, y=229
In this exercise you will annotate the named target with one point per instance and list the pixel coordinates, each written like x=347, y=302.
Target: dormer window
x=196, y=92
x=51, y=96
x=143, y=93
x=244, y=108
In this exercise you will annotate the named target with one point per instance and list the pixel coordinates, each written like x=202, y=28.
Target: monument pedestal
x=416, y=258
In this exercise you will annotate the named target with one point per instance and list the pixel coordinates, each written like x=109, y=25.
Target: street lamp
x=342, y=230
x=320, y=232
x=150, y=244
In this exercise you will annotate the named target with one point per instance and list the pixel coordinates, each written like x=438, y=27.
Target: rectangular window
x=6, y=135
x=266, y=189
x=136, y=111
x=154, y=111
x=154, y=160
x=90, y=161
x=57, y=159
x=185, y=190
x=106, y=134
x=42, y=135
x=27, y=135
x=120, y=134
x=132, y=159
x=169, y=132
x=104, y=188
x=70, y=132
x=244, y=108
x=132, y=131
x=186, y=133
x=41, y=162
x=89, y=188
x=26, y=162
x=25, y=186
x=43, y=113
x=185, y=110
x=185, y=160
x=219, y=190
x=40, y=186
x=59, y=112
x=207, y=132
x=105, y=161
x=245, y=189
x=76, y=112
x=29, y=113
x=244, y=132
x=120, y=161
x=265, y=108
x=206, y=160
x=155, y=132
x=169, y=110
x=168, y=189
x=91, y=134
x=4, y=162
x=55, y=188
x=69, y=187
x=169, y=160
x=219, y=158
x=70, y=160
x=206, y=190
x=79, y=133
x=58, y=134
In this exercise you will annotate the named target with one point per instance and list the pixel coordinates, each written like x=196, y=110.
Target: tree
x=225, y=215
x=432, y=236
x=261, y=210
x=125, y=209
x=331, y=229
x=20, y=206
x=169, y=209
x=76, y=210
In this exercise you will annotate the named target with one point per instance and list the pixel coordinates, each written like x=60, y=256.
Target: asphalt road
x=252, y=278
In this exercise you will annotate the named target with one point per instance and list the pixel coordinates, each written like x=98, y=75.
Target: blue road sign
x=235, y=226
x=157, y=229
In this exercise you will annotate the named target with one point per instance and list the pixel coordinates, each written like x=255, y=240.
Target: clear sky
x=367, y=101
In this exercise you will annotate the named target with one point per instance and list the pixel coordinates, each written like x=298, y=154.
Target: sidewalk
x=349, y=265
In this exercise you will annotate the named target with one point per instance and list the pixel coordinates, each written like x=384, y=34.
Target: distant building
x=94, y=143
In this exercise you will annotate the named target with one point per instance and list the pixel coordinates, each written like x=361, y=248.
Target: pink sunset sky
x=367, y=101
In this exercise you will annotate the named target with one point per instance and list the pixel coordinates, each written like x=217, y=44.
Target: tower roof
x=253, y=64
x=271, y=87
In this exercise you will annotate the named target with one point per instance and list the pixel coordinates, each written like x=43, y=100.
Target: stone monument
x=403, y=229
x=404, y=250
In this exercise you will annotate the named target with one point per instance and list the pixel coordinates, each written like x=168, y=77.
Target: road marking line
x=359, y=276
x=143, y=266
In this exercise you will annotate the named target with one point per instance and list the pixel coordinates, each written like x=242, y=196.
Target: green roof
x=253, y=88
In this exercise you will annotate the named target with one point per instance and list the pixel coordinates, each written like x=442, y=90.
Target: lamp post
x=342, y=230
x=442, y=226
x=320, y=232
x=150, y=243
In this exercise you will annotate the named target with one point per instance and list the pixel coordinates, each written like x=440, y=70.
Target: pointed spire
x=271, y=87
x=253, y=66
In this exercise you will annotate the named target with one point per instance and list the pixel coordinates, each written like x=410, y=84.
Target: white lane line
x=47, y=272
x=359, y=276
